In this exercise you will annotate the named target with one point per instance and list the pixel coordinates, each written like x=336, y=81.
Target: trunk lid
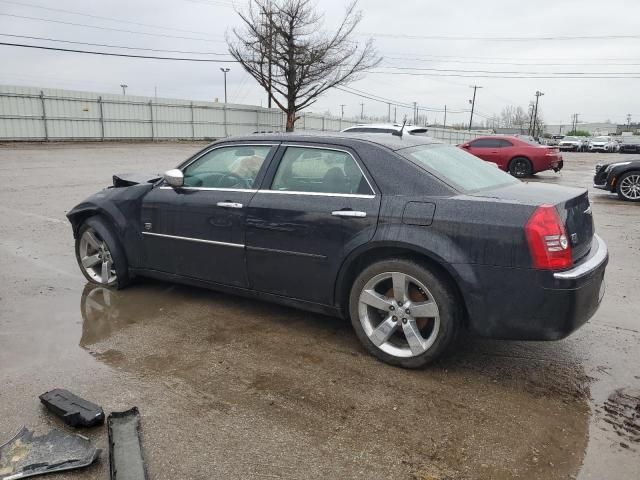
x=572, y=205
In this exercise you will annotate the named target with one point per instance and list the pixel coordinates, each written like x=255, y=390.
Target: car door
x=197, y=230
x=505, y=152
x=485, y=148
x=316, y=205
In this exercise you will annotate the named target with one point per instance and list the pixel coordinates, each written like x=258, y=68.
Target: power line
x=376, y=98
x=479, y=62
x=41, y=47
x=509, y=72
x=110, y=45
x=541, y=76
x=502, y=39
x=109, y=28
x=111, y=19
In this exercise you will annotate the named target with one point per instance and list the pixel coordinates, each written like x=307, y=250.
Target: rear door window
x=319, y=170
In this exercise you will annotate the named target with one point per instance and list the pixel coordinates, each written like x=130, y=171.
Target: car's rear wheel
x=629, y=186
x=403, y=313
x=99, y=254
x=520, y=167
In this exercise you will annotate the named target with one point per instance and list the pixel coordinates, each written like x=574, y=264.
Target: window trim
x=265, y=165
x=322, y=194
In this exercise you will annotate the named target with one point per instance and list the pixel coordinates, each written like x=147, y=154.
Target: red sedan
x=517, y=156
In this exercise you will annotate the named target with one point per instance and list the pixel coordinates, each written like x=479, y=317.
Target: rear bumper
x=527, y=304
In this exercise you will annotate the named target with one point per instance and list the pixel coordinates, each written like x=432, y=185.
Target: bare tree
x=282, y=45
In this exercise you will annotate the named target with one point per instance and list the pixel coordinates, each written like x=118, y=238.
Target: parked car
x=603, y=144
x=411, y=239
x=518, y=157
x=622, y=178
x=572, y=144
x=630, y=144
x=387, y=128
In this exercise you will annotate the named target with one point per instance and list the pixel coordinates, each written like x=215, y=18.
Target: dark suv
x=410, y=239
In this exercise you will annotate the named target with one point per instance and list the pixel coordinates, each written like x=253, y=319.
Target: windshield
x=457, y=168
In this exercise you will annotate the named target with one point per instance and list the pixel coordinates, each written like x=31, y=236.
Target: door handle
x=229, y=205
x=348, y=213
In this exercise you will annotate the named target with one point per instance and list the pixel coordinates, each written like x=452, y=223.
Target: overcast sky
x=203, y=23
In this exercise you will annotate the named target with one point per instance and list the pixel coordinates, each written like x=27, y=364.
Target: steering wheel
x=236, y=181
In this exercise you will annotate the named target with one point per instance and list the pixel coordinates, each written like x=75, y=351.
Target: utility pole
x=362, y=111
x=628, y=119
x=155, y=92
x=473, y=104
x=269, y=54
x=395, y=114
x=535, y=114
x=415, y=113
x=444, y=122
x=342, y=110
x=225, y=71
x=575, y=122
x=124, y=88
x=389, y=112
x=530, y=117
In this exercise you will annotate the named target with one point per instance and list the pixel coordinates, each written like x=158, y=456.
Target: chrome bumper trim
x=599, y=257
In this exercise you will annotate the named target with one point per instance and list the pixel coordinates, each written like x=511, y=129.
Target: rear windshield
x=457, y=168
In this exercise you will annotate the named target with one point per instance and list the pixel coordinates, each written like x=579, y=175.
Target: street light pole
x=362, y=111
x=342, y=105
x=225, y=71
x=124, y=88
x=473, y=104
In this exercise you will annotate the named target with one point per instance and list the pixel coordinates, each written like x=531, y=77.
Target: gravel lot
x=238, y=389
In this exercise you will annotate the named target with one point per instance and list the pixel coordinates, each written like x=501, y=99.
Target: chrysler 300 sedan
x=410, y=239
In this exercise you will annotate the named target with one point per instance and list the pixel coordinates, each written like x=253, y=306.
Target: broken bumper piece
x=73, y=410
x=27, y=455
x=126, y=461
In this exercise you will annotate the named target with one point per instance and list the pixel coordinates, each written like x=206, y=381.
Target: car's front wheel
x=403, y=313
x=99, y=254
x=629, y=186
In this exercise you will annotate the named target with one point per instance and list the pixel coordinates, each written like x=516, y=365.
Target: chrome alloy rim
x=630, y=186
x=95, y=258
x=399, y=314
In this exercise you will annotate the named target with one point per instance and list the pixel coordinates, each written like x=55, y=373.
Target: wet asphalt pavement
x=232, y=388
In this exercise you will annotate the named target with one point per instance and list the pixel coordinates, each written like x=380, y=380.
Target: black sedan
x=630, y=145
x=411, y=239
x=622, y=178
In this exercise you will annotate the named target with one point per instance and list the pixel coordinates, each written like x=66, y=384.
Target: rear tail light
x=547, y=238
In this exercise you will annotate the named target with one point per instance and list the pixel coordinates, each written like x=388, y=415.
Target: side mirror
x=465, y=146
x=174, y=177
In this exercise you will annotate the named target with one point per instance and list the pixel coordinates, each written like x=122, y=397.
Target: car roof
x=392, y=142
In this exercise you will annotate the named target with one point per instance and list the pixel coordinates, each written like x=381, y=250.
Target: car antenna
x=399, y=134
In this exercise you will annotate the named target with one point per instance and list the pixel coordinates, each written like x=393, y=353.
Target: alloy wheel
x=630, y=187
x=95, y=258
x=520, y=168
x=399, y=314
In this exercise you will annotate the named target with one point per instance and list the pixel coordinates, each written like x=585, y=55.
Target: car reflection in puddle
x=105, y=311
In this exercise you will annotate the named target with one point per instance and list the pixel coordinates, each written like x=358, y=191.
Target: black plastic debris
x=73, y=410
x=126, y=461
x=27, y=455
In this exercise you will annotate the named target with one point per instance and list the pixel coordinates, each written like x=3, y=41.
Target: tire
x=520, y=167
x=628, y=186
x=385, y=338
x=96, y=242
